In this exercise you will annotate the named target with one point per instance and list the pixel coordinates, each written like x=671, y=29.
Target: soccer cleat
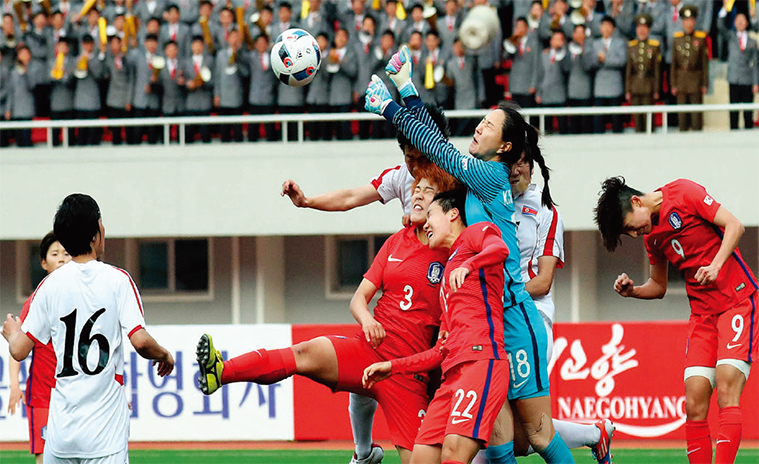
x=400, y=69
x=375, y=456
x=602, y=450
x=210, y=363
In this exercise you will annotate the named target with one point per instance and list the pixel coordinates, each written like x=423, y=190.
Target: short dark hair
x=613, y=205
x=286, y=5
x=433, y=32
x=170, y=42
x=45, y=244
x=173, y=6
x=450, y=199
x=152, y=37
x=198, y=38
x=415, y=6
x=522, y=19
x=438, y=117
x=87, y=38
x=389, y=32
x=77, y=223
x=609, y=19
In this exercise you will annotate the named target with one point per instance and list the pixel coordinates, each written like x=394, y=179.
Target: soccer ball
x=295, y=57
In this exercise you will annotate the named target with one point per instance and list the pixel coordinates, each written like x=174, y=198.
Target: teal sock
x=501, y=454
x=557, y=452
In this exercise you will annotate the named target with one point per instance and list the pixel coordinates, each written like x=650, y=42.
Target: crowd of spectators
x=64, y=59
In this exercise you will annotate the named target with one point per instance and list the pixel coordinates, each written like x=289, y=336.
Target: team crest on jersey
x=675, y=221
x=708, y=200
x=435, y=272
x=528, y=210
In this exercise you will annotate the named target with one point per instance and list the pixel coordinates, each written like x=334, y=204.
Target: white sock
x=361, y=409
x=575, y=435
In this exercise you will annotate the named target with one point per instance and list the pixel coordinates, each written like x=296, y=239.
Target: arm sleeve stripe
x=551, y=239
x=377, y=181
x=134, y=289
x=131, y=332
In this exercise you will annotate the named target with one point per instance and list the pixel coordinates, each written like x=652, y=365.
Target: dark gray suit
x=87, y=102
x=182, y=38
x=229, y=87
x=341, y=87
x=742, y=74
x=580, y=85
x=118, y=71
x=608, y=85
x=262, y=96
x=200, y=99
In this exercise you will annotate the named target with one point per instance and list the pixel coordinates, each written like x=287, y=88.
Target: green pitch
x=621, y=456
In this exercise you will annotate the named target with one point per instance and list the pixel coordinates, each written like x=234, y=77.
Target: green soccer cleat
x=210, y=363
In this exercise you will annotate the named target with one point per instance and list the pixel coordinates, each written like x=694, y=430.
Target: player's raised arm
x=338, y=200
x=734, y=230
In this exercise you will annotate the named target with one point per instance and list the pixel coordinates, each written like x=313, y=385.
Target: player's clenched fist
x=623, y=285
x=707, y=274
x=292, y=190
x=374, y=332
x=12, y=324
x=376, y=372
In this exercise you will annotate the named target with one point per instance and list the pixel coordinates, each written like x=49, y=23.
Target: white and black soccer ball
x=295, y=57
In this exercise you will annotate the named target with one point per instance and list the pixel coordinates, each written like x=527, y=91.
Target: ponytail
x=533, y=154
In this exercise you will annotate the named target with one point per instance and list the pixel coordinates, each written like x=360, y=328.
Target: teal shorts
x=526, y=344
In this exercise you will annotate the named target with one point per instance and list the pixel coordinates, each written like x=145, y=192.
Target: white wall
x=233, y=190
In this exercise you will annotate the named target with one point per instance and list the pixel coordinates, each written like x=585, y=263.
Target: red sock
x=699, y=442
x=448, y=461
x=260, y=366
x=729, y=437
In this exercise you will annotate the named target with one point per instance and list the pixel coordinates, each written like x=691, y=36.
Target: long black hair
x=524, y=139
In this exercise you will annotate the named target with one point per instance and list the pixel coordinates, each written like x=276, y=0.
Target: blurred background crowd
x=65, y=59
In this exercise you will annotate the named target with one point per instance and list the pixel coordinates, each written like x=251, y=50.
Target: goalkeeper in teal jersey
x=498, y=142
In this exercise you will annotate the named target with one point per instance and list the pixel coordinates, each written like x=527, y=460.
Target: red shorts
x=467, y=402
x=730, y=335
x=37, y=426
x=403, y=397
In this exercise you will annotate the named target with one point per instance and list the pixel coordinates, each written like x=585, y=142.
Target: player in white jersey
x=540, y=231
x=85, y=308
x=394, y=182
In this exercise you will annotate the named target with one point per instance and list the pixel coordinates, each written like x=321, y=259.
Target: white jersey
x=540, y=232
x=84, y=308
x=393, y=183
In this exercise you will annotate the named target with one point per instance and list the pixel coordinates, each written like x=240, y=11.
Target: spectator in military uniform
x=580, y=81
x=263, y=87
x=523, y=48
x=553, y=67
x=742, y=70
x=62, y=90
x=317, y=99
x=460, y=68
x=643, y=76
x=690, y=68
x=609, y=59
x=147, y=102
x=342, y=64
x=199, y=89
x=171, y=81
x=231, y=69
x=120, y=80
x=19, y=94
x=87, y=104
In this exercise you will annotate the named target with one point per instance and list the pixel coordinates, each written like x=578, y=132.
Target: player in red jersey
x=470, y=349
x=404, y=322
x=685, y=226
x=41, y=378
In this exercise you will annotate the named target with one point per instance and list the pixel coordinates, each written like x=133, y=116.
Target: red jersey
x=41, y=377
x=473, y=315
x=687, y=237
x=409, y=275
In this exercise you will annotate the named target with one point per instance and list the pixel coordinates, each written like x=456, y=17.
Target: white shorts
x=121, y=457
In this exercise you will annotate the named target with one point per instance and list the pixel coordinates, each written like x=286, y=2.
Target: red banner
x=629, y=372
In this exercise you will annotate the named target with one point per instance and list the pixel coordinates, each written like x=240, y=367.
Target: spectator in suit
x=285, y=18
x=90, y=26
x=558, y=18
x=742, y=70
x=390, y=21
x=643, y=76
x=623, y=12
x=387, y=47
x=524, y=54
x=189, y=11
x=263, y=87
x=231, y=70
x=153, y=27
x=435, y=56
x=317, y=99
x=9, y=37
x=19, y=94
x=87, y=103
x=609, y=59
x=171, y=81
x=60, y=30
x=226, y=24
x=147, y=102
x=175, y=31
x=353, y=19
x=460, y=68
x=415, y=47
x=592, y=18
x=62, y=91
x=417, y=23
x=342, y=64
x=535, y=16
x=364, y=48
x=448, y=25
x=580, y=82
x=147, y=9
x=199, y=91
x=40, y=42
x=120, y=80
x=110, y=11
x=267, y=18
x=553, y=67
x=206, y=11
x=316, y=21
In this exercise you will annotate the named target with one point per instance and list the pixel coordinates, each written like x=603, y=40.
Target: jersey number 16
x=83, y=346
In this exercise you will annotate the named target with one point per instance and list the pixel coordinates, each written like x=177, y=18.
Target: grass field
x=300, y=456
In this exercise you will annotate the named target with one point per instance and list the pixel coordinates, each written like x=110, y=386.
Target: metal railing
x=301, y=119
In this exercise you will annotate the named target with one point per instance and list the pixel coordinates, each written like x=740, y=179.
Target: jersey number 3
x=83, y=346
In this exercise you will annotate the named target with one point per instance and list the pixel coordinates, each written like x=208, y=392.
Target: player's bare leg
x=501, y=444
x=425, y=454
x=730, y=382
x=534, y=416
x=459, y=448
x=405, y=454
x=698, y=391
x=316, y=359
